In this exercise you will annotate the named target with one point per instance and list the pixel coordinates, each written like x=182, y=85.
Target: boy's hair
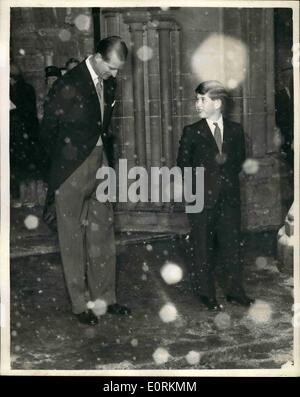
x=112, y=43
x=214, y=89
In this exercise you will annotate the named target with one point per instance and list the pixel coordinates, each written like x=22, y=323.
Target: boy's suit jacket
x=198, y=148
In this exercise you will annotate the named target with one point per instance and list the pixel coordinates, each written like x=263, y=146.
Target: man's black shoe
x=211, y=303
x=87, y=317
x=118, y=309
x=242, y=300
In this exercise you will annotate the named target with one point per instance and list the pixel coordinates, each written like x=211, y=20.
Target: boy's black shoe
x=242, y=300
x=211, y=303
x=118, y=309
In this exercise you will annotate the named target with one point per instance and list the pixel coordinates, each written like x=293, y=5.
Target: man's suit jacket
x=72, y=123
x=198, y=148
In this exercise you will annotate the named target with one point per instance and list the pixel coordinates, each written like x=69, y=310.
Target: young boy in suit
x=218, y=145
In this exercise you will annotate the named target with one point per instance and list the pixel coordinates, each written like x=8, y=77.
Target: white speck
x=144, y=277
x=171, y=273
x=14, y=333
x=145, y=267
x=82, y=22
x=153, y=23
x=277, y=139
x=260, y=312
x=90, y=305
x=31, y=222
x=207, y=58
x=100, y=307
x=161, y=355
x=134, y=342
x=22, y=51
x=144, y=53
x=149, y=247
x=261, y=262
x=250, y=166
x=222, y=320
x=64, y=35
x=193, y=357
x=17, y=348
x=168, y=313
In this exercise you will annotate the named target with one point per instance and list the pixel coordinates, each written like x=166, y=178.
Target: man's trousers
x=86, y=235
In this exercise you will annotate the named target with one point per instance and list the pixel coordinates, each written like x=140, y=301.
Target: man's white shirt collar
x=93, y=74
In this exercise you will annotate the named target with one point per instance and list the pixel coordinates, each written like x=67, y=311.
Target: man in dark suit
x=217, y=145
x=24, y=139
x=75, y=130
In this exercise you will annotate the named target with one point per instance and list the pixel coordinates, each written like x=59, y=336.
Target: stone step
x=42, y=245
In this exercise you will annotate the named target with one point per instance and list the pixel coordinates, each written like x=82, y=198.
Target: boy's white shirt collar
x=212, y=126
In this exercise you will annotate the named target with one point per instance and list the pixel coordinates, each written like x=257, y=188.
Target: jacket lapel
x=226, y=136
x=106, y=98
x=88, y=89
x=109, y=96
x=205, y=132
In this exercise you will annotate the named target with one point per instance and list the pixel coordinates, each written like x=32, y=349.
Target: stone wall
x=48, y=36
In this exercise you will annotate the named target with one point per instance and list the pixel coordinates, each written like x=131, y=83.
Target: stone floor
x=45, y=334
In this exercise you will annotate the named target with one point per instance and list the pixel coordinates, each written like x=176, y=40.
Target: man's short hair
x=112, y=43
x=214, y=89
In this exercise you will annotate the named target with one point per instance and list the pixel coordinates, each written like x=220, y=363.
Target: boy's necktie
x=218, y=137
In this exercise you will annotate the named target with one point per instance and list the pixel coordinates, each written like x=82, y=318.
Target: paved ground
x=45, y=334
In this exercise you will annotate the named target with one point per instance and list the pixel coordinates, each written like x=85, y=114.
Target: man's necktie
x=99, y=89
x=218, y=137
